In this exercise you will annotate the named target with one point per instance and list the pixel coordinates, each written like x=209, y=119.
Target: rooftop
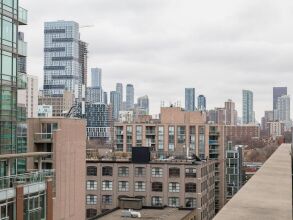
x=268, y=194
x=149, y=214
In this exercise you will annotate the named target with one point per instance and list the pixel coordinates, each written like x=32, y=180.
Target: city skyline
x=148, y=72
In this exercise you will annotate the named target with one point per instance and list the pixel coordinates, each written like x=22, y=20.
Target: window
x=123, y=171
x=181, y=134
x=190, y=172
x=190, y=187
x=123, y=186
x=91, y=213
x=138, y=135
x=92, y=171
x=173, y=201
x=91, y=185
x=174, y=187
x=157, y=172
x=107, y=171
x=190, y=203
x=139, y=186
x=171, y=138
x=107, y=185
x=157, y=201
x=157, y=187
x=107, y=199
x=139, y=171
x=161, y=138
x=174, y=172
x=91, y=200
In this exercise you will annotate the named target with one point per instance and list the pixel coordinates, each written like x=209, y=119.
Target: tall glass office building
x=24, y=193
x=62, y=68
x=12, y=129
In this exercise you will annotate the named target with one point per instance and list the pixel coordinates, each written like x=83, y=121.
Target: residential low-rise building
x=64, y=140
x=115, y=181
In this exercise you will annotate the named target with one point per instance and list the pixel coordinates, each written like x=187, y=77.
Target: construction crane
x=86, y=26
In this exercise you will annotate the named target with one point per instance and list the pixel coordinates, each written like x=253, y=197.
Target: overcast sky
x=163, y=46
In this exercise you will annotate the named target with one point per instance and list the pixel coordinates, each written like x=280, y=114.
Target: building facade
x=119, y=89
x=278, y=92
x=65, y=140
x=62, y=67
x=231, y=113
x=247, y=107
x=143, y=104
x=60, y=104
x=94, y=94
x=30, y=96
x=98, y=116
x=201, y=103
x=115, y=103
x=157, y=183
x=282, y=112
x=96, y=77
x=234, y=170
x=177, y=132
x=189, y=99
x=129, y=97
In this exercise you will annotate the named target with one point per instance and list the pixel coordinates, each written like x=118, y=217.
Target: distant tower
x=247, y=107
x=119, y=89
x=201, y=103
x=143, y=104
x=189, y=99
x=115, y=103
x=129, y=97
x=96, y=77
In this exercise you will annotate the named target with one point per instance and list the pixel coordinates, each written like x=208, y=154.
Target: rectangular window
x=107, y=185
x=91, y=185
x=190, y=203
x=181, y=134
x=138, y=135
x=91, y=200
x=161, y=138
x=157, y=201
x=139, y=171
x=123, y=171
x=190, y=172
x=123, y=186
x=174, y=187
x=139, y=186
x=173, y=201
x=157, y=172
x=107, y=199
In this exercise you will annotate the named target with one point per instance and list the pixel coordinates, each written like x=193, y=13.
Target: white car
x=130, y=213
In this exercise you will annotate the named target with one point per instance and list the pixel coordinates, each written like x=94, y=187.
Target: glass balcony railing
x=22, y=48
x=22, y=15
x=43, y=137
x=26, y=178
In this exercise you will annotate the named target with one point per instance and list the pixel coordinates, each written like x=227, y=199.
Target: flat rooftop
x=267, y=195
x=149, y=214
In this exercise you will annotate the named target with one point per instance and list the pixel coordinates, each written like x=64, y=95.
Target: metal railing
x=26, y=178
x=43, y=136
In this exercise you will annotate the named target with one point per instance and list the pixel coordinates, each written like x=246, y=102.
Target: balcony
x=268, y=194
x=25, y=179
x=22, y=48
x=22, y=16
x=43, y=138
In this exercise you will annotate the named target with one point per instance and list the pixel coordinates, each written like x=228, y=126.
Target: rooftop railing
x=26, y=178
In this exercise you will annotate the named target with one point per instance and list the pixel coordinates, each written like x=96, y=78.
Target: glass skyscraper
x=129, y=97
x=189, y=99
x=62, y=67
x=247, y=107
x=201, y=103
